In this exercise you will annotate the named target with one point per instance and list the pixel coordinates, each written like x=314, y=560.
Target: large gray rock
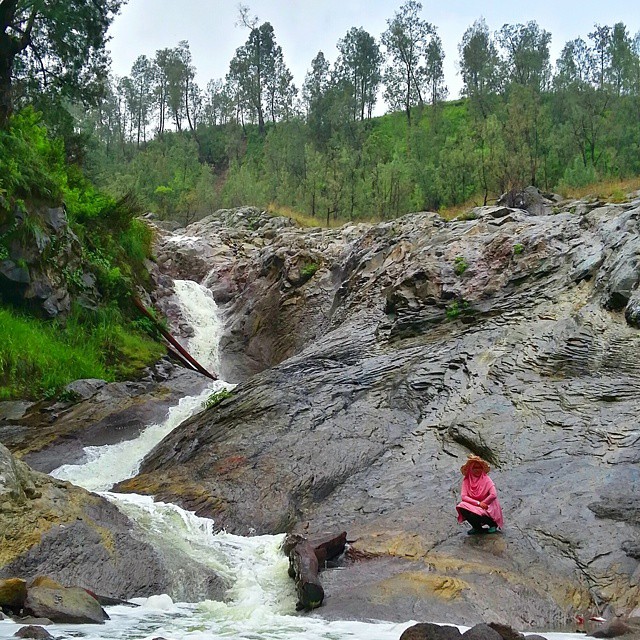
x=33, y=631
x=377, y=375
x=48, y=435
x=49, y=527
x=430, y=631
x=64, y=605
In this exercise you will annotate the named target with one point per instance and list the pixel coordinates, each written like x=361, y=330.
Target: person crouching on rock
x=479, y=506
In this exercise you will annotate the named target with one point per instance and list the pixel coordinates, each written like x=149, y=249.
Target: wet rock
x=616, y=627
x=13, y=592
x=506, y=632
x=429, y=631
x=37, y=270
x=64, y=605
x=13, y=410
x=84, y=389
x=481, y=632
x=32, y=620
x=47, y=436
x=32, y=631
x=373, y=379
x=14, y=273
x=530, y=199
x=50, y=527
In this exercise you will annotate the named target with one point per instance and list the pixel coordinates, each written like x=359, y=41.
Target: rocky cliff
x=381, y=356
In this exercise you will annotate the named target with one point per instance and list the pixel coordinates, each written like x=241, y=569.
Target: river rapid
x=261, y=599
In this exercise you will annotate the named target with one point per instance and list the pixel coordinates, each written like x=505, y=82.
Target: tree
x=142, y=85
x=319, y=95
x=161, y=81
x=527, y=54
x=407, y=39
x=358, y=66
x=433, y=70
x=620, y=70
x=56, y=45
x=581, y=102
x=218, y=104
x=479, y=65
x=257, y=71
x=601, y=36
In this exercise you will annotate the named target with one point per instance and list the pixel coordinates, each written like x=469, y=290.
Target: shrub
x=518, y=249
x=460, y=265
x=309, y=270
x=216, y=398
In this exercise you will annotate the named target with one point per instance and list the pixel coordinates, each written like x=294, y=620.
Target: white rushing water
x=260, y=602
x=110, y=464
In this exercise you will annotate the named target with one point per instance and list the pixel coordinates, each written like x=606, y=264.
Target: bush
x=33, y=165
x=216, y=398
x=578, y=175
x=460, y=265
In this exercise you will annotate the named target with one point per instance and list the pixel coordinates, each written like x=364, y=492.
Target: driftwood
x=328, y=549
x=305, y=559
x=177, y=349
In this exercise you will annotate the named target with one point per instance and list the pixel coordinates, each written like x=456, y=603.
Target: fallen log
x=303, y=562
x=305, y=559
x=172, y=341
x=328, y=548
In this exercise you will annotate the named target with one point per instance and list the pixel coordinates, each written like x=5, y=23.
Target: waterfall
x=107, y=465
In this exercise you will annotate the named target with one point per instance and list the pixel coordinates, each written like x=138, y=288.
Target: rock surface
x=63, y=604
x=383, y=355
x=51, y=527
x=33, y=631
x=47, y=435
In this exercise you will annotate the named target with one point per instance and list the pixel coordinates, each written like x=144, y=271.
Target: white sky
x=304, y=27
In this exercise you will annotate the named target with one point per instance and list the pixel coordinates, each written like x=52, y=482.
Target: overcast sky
x=304, y=27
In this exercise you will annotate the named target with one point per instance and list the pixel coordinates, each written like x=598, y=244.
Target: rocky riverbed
x=372, y=358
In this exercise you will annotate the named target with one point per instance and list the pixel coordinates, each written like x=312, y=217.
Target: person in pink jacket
x=479, y=506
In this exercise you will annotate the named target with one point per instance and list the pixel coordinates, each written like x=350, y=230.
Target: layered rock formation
x=383, y=355
x=51, y=527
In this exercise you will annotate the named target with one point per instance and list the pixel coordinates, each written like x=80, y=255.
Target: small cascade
x=201, y=312
x=107, y=465
x=110, y=464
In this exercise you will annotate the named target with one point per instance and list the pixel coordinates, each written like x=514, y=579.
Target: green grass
x=38, y=359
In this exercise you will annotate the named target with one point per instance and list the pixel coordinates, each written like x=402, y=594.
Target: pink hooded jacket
x=480, y=489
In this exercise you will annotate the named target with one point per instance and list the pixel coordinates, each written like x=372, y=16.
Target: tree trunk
x=328, y=548
x=305, y=558
x=303, y=564
x=6, y=64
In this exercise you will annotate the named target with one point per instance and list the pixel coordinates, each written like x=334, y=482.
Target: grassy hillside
x=97, y=260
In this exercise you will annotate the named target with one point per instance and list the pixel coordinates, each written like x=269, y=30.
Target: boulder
x=33, y=631
x=13, y=592
x=614, y=628
x=481, y=631
x=64, y=604
x=506, y=632
x=430, y=631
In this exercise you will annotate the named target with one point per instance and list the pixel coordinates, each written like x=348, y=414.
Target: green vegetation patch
x=38, y=359
x=216, y=398
x=460, y=265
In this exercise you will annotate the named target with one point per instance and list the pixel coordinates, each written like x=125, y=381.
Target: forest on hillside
x=253, y=137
